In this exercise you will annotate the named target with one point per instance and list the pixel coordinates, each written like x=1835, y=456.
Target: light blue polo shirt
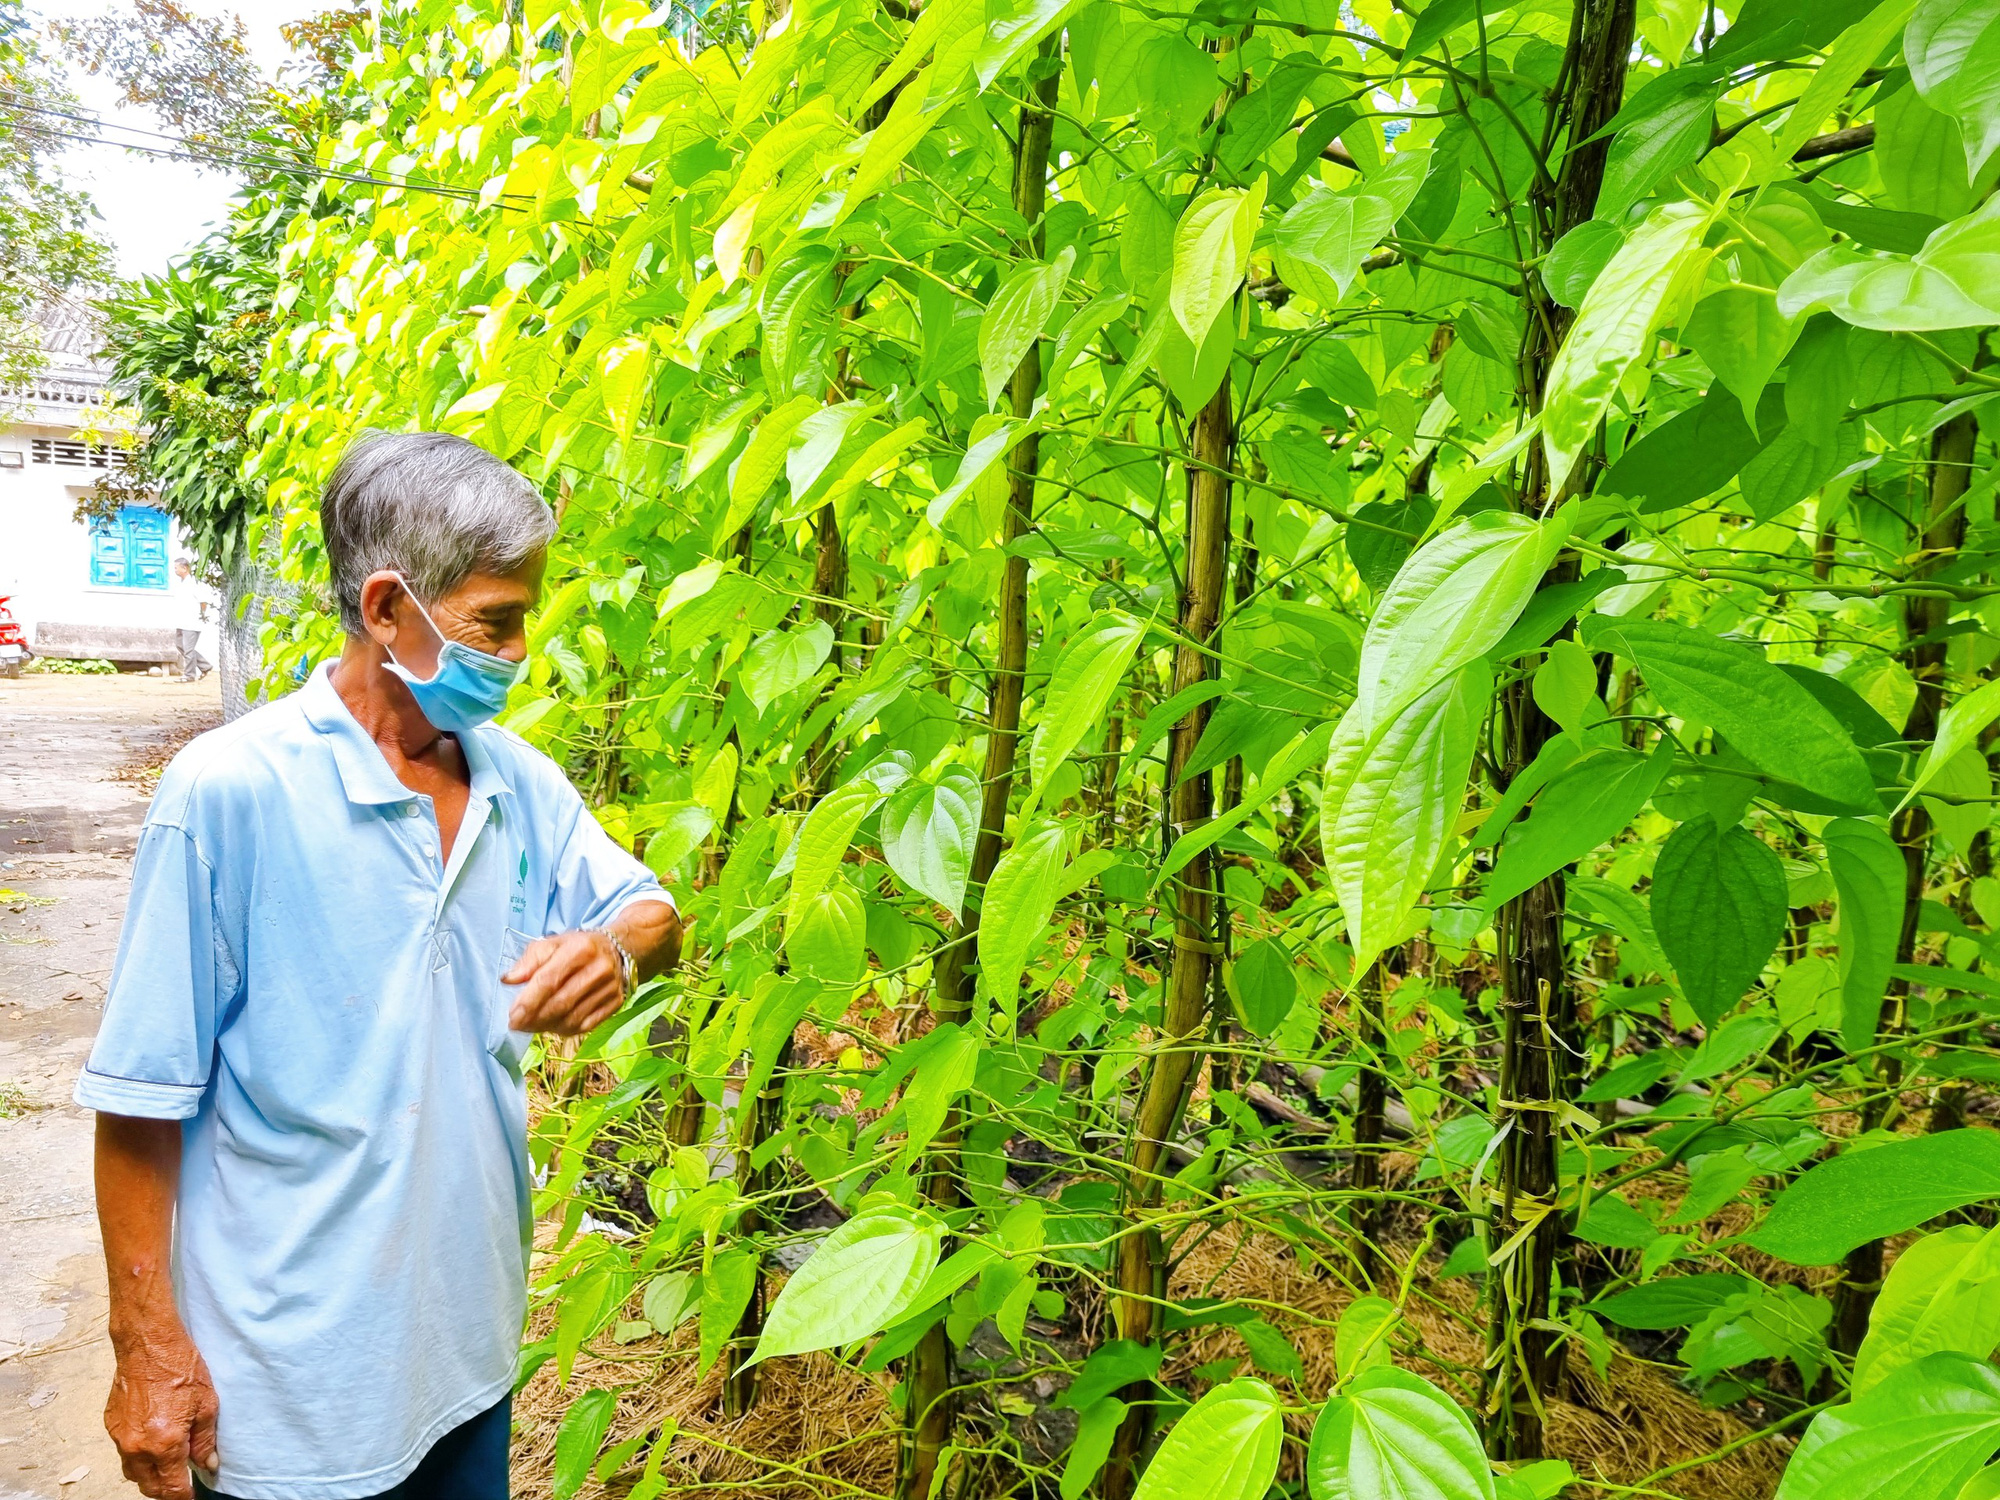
x=318, y=997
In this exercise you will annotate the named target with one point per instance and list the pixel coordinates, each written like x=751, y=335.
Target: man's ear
x=381, y=593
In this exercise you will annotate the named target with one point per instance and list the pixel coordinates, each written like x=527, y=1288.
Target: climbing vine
x=1350, y=638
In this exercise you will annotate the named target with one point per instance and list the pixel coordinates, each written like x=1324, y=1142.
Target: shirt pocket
x=506, y=1044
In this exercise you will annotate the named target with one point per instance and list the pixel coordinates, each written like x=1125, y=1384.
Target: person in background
x=199, y=626
x=351, y=911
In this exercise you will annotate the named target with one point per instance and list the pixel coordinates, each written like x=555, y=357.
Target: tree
x=187, y=349
x=187, y=346
x=1213, y=587
x=49, y=241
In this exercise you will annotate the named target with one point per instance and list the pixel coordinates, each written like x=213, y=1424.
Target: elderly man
x=349, y=911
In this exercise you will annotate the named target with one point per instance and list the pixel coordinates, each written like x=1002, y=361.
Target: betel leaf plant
x=1363, y=629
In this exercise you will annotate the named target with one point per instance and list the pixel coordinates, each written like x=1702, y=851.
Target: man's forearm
x=138, y=1174
x=161, y=1414
x=651, y=933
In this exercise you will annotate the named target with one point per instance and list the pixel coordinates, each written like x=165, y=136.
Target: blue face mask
x=468, y=688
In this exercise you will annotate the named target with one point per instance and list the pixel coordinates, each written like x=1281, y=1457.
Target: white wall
x=45, y=551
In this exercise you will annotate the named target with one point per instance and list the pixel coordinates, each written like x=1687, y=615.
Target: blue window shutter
x=146, y=548
x=107, y=553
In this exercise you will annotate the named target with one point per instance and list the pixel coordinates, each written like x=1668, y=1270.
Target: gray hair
x=430, y=506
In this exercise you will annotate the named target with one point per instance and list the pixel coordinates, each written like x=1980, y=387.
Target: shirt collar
x=487, y=782
x=364, y=775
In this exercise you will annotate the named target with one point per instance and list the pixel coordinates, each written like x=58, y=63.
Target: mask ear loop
x=442, y=638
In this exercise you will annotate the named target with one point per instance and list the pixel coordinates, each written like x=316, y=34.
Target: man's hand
x=162, y=1412
x=575, y=981
x=569, y=984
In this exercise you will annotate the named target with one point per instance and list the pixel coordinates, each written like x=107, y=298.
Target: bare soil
x=78, y=756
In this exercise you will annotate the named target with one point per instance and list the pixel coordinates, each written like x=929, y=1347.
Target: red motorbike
x=14, y=652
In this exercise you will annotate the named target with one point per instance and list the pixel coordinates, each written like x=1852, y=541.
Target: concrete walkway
x=71, y=801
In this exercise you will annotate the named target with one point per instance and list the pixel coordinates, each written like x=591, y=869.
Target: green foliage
x=1225, y=1448
x=1390, y=1433
x=59, y=666
x=187, y=347
x=1196, y=634
x=1884, y=1190
x=49, y=242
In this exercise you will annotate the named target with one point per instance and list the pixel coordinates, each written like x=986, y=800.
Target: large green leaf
x=1922, y=1434
x=1943, y=1293
x=928, y=829
x=1020, y=898
x=1696, y=452
x=1958, y=730
x=1095, y=1429
x=1671, y=1302
x=1953, y=47
x=823, y=841
x=763, y=460
x=623, y=369
x=1719, y=901
x=1450, y=604
x=1390, y=1433
x=1947, y=284
x=1883, y=1190
x=1012, y=31
x=1743, y=337
x=1391, y=796
x=1329, y=231
x=1590, y=802
x=1017, y=316
x=1775, y=724
x=1225, y=1448
x=1614, y=328
x=1853, y=52
x=1869, y=876
x=828, y=939
x=1664, y=126
x=1211, y=253
x=727, y=1286
x=578, y=1439
x=1439, y=18
x=783, y=660
x=1260, y=981
x=855, y=1283
x=1361, y=1339
x=1086, y=678
x=949, y=1062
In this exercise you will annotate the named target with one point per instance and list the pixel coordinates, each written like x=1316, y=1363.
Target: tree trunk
x=1142, y=1268
x=1525, y=1361
x=931, y=1409
x=829, y=607
x=1924, y=619
x=1950, y=1105
x=1371, y=1104
x=762, y=1117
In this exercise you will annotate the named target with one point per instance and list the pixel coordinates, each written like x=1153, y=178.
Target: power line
x=186, y=150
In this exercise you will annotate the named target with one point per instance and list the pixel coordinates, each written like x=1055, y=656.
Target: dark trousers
x=467, y=1463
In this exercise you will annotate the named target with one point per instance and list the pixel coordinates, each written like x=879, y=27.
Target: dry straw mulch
x=818, y=1428
x=822, y=1430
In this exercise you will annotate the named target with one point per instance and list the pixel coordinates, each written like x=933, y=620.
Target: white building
x=105, y=588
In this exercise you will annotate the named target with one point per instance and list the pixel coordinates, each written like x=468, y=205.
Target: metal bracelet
x=628, y=967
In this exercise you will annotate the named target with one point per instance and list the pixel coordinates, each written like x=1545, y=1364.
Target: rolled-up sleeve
x=595, y=880
x=156, y=1044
